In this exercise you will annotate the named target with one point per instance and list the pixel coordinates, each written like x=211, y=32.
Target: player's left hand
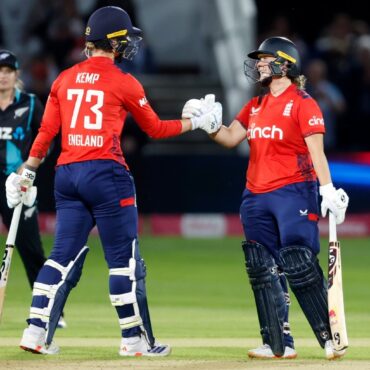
x=334, y=200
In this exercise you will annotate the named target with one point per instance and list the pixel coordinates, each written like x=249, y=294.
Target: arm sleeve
x=36, y=121
x=243, y=115
x=137, y=104
x=37, y=117
x=310, y=117
x=50, y=125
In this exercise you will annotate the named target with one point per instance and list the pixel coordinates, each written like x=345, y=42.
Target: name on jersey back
x=85, y=140
x=87, y=78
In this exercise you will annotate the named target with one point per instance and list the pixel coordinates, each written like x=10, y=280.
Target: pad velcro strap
x=122, y=299
x=40, y=313
x=124, y=271
x=41, y=289
x=57, y=266
x=63, y=270
x=130, y=322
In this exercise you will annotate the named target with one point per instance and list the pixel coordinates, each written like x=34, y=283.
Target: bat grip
x=14, y=225
x=332, y=228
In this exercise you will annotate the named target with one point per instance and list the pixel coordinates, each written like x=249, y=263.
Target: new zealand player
x=88, y=103
x=20, y=116
x=279, y=209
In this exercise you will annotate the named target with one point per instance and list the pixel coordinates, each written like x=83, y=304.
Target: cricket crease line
x=181, y=342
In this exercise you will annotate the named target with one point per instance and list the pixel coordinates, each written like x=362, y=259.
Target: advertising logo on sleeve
x=316, y=121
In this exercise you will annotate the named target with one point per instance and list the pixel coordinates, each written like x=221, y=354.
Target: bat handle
x=332, y=228
x=14, y=224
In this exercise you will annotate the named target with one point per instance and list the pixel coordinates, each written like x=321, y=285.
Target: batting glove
x=205, y=114
x=196, y=107
x=192, y=108
x=334, y=200
x=209, y=122
x=12, y=189
x=19, y=188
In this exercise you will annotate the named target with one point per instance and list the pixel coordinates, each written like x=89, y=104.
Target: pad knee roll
x=306, y=280
x=268, y=294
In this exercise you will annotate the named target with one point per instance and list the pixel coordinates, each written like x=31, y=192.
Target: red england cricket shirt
x=89, y=103
x=276, y=128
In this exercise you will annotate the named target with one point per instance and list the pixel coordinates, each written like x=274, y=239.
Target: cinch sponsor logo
x=264, y=132
x=315, y=121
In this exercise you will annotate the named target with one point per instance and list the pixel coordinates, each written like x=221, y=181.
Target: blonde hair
x=19, y=84
x=300, y=81
x=89, y=47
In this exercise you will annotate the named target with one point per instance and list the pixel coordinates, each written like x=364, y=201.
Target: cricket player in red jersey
x=279, y=209
x=88, y=103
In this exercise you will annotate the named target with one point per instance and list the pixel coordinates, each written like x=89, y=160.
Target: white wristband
x=194, y=123
x=325, y=189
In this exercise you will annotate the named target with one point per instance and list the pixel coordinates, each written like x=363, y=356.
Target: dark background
x=308, y=18
x=175, y=182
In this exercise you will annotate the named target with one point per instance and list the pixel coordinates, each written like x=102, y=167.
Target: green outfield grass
x=197, y=288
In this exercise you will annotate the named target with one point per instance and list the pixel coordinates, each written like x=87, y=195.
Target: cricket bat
x=337, y=317
x=8, y=253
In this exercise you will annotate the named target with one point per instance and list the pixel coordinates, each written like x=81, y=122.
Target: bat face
x=7, y=258
x=337, y=318
x=4, y=267
x=333, y=258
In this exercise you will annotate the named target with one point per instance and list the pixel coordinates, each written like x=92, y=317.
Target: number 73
x=80, y=96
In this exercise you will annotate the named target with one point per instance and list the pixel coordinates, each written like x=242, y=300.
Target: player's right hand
x=334, y=200
x=204, y=113
x=19, y=189
x=12, y=189
x=192, y=108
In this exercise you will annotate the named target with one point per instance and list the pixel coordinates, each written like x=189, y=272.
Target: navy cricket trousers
x=100, y=192
x=284, y=217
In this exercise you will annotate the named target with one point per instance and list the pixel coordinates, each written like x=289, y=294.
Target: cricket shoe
x=138, y=346
x=33, y=340
x=331, y=353
x=265, y=352
x=62, y=324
